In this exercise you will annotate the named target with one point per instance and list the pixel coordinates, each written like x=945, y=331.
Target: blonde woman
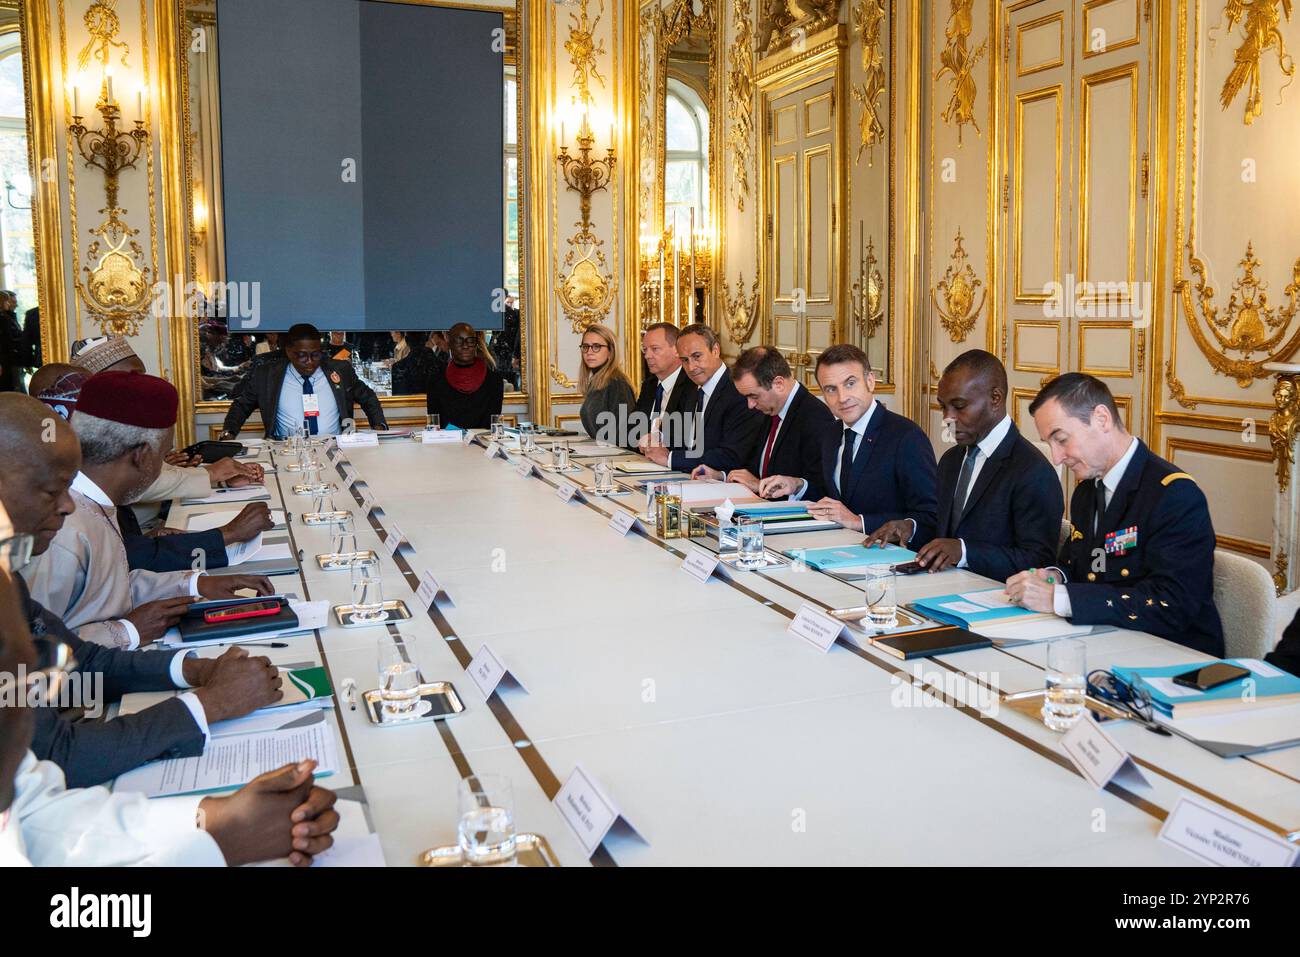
x=606, y=387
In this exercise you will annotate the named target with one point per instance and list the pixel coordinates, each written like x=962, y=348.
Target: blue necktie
x=659, y=399
x=309, y=421
x=846, y=462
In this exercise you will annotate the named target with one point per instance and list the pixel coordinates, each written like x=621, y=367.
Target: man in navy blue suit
x=876, y=466
x=1141, y=554
x=1000, y=501
x=721, y=429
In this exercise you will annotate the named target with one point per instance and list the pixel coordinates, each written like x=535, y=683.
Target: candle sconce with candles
x=584, y=285
x=117, y=285
x=676, y=275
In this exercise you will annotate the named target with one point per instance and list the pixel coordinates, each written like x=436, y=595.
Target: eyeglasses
x=591, y=346
x=16, y=551
x=1109, y=687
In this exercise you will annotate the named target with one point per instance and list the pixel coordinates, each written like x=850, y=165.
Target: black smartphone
x=1211, y=676
x=909, y=568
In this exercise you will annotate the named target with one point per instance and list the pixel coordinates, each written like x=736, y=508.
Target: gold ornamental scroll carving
x=1260, y=22
x=1248, y=324
x=740, y=100
x=740, y=311
x=958, y=309
x=785, y=23
x=869, y=21
x=959, y=60
x=1284, y=424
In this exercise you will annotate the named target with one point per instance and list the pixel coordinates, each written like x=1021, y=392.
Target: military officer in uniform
x=1141, y=553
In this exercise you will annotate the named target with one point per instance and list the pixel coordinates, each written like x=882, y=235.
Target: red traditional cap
x=129, y=398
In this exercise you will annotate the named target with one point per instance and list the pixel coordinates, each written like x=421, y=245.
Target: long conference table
x=720, y=736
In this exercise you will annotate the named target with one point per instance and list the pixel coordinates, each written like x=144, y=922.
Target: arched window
x=16, y=241
x=686, y=156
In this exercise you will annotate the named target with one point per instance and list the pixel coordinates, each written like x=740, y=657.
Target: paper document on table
x=995, y=598
x=311, y=615
x=595, y=449
x=1008, y=634
x=1236, y=733
x=961, y=607
x=233, y=762
x=205, y=521
x=222, y=496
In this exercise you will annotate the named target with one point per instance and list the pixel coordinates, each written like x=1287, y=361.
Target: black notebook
x=933, y=641
x=194, y=628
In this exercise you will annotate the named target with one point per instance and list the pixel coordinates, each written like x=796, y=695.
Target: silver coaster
x=438, y=700
x=531, y=850
x=395, y=610
x=324, y=518
x=769, y=561
x=315, y=488
x=338, y=561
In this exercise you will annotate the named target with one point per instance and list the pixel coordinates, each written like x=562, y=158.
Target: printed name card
x=492, y=450
x=589, y=813
x=701, y=564
x=1214, y=835
x=439, y=436
x=394, y=540
x=334, y=455
x=816, y=627
x=489, y=673
x=1099, y=757
x=466, y=436
x=623, y=522
x=566, y=491
x=524, y=468
x=429, y=590
x=350, y=478
x=357, y=440
x=367, y=499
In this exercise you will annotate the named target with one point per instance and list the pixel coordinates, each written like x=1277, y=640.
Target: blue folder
x=844, y=556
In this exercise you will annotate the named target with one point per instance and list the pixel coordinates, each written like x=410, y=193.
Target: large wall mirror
x=678, y=195
x=396, y=364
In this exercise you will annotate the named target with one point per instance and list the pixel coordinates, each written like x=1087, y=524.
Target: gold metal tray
x=315, y=488
x=856, y=617
x=394, y=610
x=442, y=696
x=531, y=850
x=770, y=561
x=336, y=561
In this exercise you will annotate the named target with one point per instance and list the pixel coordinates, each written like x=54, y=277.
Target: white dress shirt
x=781, y=416
x=986, y=447
x=859, y=429
x=668, y=385
x=1110, y=482
x=709, y=386
x=289, y=413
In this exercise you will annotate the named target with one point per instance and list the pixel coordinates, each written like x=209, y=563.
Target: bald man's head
x=39, y=457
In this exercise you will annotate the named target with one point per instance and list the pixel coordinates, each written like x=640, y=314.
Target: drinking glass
x=367, y=591
x=749, y=536
x=487, y=820
x=432, y=423
x=1066, y=683
x=526, y=441
x=881, y=596
x=399, y=678
x=604, y=473
x=498, y=426
x=560, y=455
x=345, y=535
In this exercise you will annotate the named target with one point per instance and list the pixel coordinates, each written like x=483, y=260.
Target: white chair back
x=1247, y=603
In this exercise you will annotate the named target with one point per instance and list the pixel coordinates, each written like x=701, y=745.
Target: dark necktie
x=659, y=400
x=846, y=461
x=767, y=449
x=310, y=421
x=963, y=487
x=1098, y=504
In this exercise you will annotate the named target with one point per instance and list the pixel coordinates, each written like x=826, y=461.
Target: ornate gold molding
x=1284, y=424
x=1259, y=21
x=1248, y=326
x=869, y=21
x=584, y=50
x=867, y=300
x=959, y=60
x=959, y=310
x=1176, y=390
x=740, y=101
x=1280, y=565
x=560, y=377
x=789, y=23
x=740, y=312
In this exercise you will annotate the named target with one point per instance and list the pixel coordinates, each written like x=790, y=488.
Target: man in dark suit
x=303, y=389
x=169, y=550
x=666, y=391
x=1141, y=554
x=1000, y=501
x=32, y=338
x=721, y=429
x=796, y=420
x=876, y=466
x=37, y=500
x=1287, y=653
x=11, y=344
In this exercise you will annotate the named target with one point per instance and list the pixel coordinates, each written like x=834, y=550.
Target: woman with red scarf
x=469, y=391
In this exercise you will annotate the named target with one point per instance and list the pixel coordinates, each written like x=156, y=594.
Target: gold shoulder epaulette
x=1174, y=476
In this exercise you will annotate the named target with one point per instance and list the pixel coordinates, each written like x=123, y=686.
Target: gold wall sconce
x=585, y=289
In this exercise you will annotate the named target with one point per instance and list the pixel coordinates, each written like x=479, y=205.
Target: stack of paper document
x=1264, y=687
x=974, y=608
x=203, y=521
x=224, y=496
x=851, y=557
x=311, y=615
x=780, y=517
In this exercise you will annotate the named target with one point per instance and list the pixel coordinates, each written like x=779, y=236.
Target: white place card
x=1099, y=758
x=566, y=491
x=367, y=499
x=489, y=673
x=623, y=522
x=589, y=812
x=1217, y=836
x=491, y=450
x=350, y=480
x=333, y=455
x=429, y=590
x=394, y=540
x=815, y=627
x=524, y=468
x=439, y=436
x=466, y=437
x=701, y=564
x=357, y=440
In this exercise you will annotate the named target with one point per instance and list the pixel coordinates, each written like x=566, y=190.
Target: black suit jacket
x=1287, y=653
x=677, y=403
x=893, y=474
x=729, y=431
x=261, y=390
x=798, y=447
x=94, y=751
x=169, y=553
x=1164, y=584
x=1012, y=518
